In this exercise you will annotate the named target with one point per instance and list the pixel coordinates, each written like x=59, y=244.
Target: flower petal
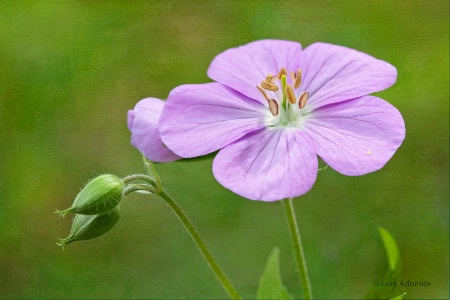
x=357, y=136
x=269, y=165
x=201, y=118
x=143, y=124
x=244, y=67
x=333, y=73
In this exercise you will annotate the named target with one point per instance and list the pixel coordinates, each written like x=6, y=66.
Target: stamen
x=298, y=79
x=290, y=94
x=303, y=98
x=293, y=76
x=269, y=77
x=282, y=72
x=263, y=92
x=269, y=86
x=273, y=107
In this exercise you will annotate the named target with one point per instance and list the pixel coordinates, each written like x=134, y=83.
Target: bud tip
x=62, y=213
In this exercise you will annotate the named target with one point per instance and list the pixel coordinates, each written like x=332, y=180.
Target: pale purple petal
x=357, y=136
x=269, y=165
x=201, y=118
x=333, y=73
x=244, y=67
x=130, y=119
x=143, y=123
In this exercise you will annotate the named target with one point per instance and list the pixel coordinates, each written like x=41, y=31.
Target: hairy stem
x=298, y=249
x=131, y=188
x=201, y=245
x=141, y=177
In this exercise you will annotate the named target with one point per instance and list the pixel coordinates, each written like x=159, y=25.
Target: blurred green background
x=70, y=70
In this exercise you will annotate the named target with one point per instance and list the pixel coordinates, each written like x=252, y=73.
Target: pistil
x=283, y=88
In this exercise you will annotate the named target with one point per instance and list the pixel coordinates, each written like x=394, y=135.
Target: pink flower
x=275, y=107
x=143, y=122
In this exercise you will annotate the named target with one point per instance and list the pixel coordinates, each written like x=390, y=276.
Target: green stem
x=131, y=188
x=201, y=245
x=141, y=177
x=298, y=249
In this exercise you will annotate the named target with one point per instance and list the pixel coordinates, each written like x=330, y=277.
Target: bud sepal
x=100, y=195
x=87, y=227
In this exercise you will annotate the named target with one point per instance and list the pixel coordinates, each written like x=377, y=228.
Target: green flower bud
x=87, y=227
x=100, y=195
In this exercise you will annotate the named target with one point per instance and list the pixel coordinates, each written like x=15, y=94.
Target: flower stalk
x=201, y=245
x=192, y=231
x=298, y=249
x=141, y=177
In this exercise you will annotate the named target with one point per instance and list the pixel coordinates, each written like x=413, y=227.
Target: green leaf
x=270, y=285
x=384, y=290
x=391, y=248
x=399, y=297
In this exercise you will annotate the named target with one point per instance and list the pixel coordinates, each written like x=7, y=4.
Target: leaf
x=270, y=285
x=399, y=297
x=392, y=275
x=391, y=248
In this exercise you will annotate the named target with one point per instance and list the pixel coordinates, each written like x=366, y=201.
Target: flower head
x=274, y=107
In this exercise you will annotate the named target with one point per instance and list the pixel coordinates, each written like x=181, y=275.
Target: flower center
x=286, y=102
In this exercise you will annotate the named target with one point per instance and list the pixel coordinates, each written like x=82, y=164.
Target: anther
x=298, y=79
x=269, y=86
x=273, y=107
x=269, y=77
x=293, y=76
x=290, y=94
x=282, y=72
x=260, y=89
x=303, y=98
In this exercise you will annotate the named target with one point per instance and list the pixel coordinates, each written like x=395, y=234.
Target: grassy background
x=70, y=70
